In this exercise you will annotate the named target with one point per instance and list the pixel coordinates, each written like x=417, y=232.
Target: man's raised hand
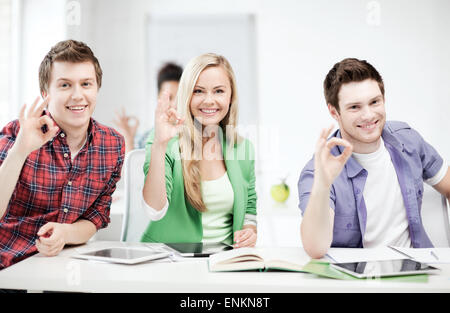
x=32, y=125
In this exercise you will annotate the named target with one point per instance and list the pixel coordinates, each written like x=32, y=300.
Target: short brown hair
x=169, y=72
x=346, y=71
x=67, y=51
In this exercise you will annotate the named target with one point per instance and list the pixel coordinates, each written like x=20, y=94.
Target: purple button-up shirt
x=414, y=161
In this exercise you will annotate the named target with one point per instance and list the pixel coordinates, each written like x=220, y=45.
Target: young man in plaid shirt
x=58, y=166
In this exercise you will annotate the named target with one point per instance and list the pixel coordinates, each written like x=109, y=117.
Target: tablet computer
x=123, y=255
x=385, y=268
x=198, y=249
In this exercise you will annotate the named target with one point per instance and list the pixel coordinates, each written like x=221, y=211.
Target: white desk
x=63, y=273
x=278, y=224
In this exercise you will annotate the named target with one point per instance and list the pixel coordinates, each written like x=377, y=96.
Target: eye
x=64, y=85
x=86, y=84
x=197, y=90
x=220, y=91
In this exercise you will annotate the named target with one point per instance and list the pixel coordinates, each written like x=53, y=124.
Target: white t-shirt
x=387, y=223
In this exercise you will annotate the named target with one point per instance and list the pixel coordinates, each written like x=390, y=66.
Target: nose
x=367, y=113
x=209, y=98
x=77, y=94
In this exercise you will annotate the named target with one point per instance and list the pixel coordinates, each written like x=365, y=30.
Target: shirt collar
x=391, y=141
x=352, y=167
x=90, y=133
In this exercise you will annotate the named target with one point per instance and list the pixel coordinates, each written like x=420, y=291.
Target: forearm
x=250, y=226
x=154, y=191
x=317, y=222
x=9, y=175
x=79, y=232
x=444, y=185
x=129, y=143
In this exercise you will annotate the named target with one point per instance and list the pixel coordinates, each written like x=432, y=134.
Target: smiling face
x=361, y=115
x=73, y=94
x=211, y=96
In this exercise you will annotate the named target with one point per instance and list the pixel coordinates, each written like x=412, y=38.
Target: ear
x=44, y=95
x=333, y=112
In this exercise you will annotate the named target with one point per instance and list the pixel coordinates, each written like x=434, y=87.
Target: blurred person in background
x=168, y=78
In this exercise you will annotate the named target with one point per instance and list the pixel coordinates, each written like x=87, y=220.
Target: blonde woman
x=200, y=177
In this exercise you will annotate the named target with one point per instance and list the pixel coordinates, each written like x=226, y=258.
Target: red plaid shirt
x=52, y=188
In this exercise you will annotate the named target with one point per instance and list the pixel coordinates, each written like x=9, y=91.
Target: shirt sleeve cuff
x=436, y=179
x=152, y=213
x=250, y=219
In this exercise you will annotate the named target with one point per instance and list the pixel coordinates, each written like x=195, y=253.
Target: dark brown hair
x=67, y=51
x=169, y=72
x=346, y=71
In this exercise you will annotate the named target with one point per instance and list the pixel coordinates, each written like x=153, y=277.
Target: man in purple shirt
x=364, y=186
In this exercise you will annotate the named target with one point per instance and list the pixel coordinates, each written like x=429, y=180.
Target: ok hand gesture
x=31, y=135
x=327, y=166
x=167, y=121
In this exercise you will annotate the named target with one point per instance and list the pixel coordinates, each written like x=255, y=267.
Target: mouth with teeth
x=368, y=126
x=77, y=108
x=209, y=112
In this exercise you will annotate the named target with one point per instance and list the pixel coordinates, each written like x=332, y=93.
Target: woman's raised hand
x=168, y=123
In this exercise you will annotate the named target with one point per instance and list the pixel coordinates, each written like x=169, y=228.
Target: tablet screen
x=198, y=248
x=120, y=253
x=385, y=268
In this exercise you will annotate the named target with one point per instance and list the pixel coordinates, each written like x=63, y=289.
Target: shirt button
x=66, y=155
x=63, y=135
x=69, y=183
x=66, y=210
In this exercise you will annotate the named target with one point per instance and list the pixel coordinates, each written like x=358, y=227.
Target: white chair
x=135, y=220
x=435, y=217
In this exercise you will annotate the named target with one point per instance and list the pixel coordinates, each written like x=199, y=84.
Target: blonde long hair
x=191, y=136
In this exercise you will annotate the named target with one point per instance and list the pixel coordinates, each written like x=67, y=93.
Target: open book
x=242, y=259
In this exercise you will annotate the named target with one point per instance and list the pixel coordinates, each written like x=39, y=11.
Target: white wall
x=42, y=26
x=297, y=43
x=35, y=26
x=301, y=43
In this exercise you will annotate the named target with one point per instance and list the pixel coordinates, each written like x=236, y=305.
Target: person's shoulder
x=403, y=132
x=11, y=129
x=408, y=137
x=308, y=168
x=107, y=133
x=244, y=146
x=244, y=142
x=397, y=126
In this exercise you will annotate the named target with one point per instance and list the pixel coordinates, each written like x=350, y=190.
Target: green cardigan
x=182, y=222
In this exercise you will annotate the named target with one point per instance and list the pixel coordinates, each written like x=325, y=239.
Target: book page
x=290, y=258
x=235, y=255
